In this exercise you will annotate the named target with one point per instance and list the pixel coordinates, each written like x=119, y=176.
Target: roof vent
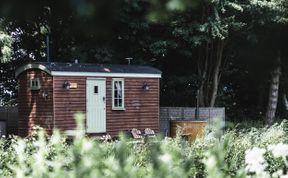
x=129, y=60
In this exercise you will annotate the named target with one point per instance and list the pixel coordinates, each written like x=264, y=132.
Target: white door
x=96, y=105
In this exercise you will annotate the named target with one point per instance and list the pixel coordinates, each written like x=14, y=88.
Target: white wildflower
x=211, y=162
x=87, y=145
x=255, y=161
x=255, y=155
x=277, y=173
x=279, y=150
x=19, y=148
x=166, y=158
x=39, y=159
x=56, y=138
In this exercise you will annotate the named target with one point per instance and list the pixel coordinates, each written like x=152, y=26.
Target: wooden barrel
x=189, y=129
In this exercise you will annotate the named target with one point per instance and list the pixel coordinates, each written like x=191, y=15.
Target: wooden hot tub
x=190, y=129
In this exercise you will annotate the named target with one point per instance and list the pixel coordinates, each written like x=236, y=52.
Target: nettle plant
x=230, y=155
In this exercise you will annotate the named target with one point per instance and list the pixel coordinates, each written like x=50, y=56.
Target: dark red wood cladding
x=141, y=107
x=68, y=102
x=34, y=108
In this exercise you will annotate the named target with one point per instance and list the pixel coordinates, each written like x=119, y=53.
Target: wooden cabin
x=114, y=97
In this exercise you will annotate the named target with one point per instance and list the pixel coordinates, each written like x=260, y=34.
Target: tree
x=203, y=32
x=194, y=43
x=5, y=44
x=92, y=32
x=271, y=15
x=6, y=53
x=212, y=30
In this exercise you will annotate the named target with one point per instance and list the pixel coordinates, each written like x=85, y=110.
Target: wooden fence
x=8, y=120
x=188, y=113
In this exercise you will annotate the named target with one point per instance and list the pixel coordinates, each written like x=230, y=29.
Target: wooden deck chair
x=136, y=133
x=106, y=137
x=149, y=132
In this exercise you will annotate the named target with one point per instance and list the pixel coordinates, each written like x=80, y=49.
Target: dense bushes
x=240, y=153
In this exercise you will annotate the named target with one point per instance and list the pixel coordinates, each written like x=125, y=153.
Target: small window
x=35, y=84
x=118, y=94
x=96, y=89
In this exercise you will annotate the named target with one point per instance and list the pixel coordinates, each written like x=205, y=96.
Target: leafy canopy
x=5, y=45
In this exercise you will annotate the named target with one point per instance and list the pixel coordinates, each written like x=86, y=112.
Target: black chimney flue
x=47, y=48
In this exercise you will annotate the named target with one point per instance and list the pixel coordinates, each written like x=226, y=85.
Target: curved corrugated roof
x=67, y=69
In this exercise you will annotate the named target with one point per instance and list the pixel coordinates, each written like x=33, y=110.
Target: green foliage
x=41, y=155
x=173, y=40
x=196, y=22
x=269, y=11
x=5, y=45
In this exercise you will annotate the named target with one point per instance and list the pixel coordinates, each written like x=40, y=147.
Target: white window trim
x=99, y=74
x=32, y=87
x=89, y=74
x=123, y=96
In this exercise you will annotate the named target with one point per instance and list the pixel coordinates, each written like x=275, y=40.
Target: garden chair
x=149, y=132
x=106, y=137
x=136, y=133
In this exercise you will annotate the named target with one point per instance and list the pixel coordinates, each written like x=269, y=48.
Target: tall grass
x=212, y=156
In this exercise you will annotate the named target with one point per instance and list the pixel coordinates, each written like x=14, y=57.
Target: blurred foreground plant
x=218, y=156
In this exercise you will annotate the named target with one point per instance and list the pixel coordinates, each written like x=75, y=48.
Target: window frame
x=34, y=81
x=123, y=96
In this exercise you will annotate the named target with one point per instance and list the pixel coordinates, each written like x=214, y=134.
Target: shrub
x=211, y=156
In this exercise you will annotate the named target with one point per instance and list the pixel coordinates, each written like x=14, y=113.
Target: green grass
x=211, y=156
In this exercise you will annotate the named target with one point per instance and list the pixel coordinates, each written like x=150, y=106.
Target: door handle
x=104, y=99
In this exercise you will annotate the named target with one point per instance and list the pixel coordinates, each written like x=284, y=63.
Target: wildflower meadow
x=240, y=153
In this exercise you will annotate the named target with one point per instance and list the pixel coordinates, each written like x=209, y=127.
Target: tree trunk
x=203, y=75
x=285, y=101
x=273, y=92
x=216, y=76
x=209, y=67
